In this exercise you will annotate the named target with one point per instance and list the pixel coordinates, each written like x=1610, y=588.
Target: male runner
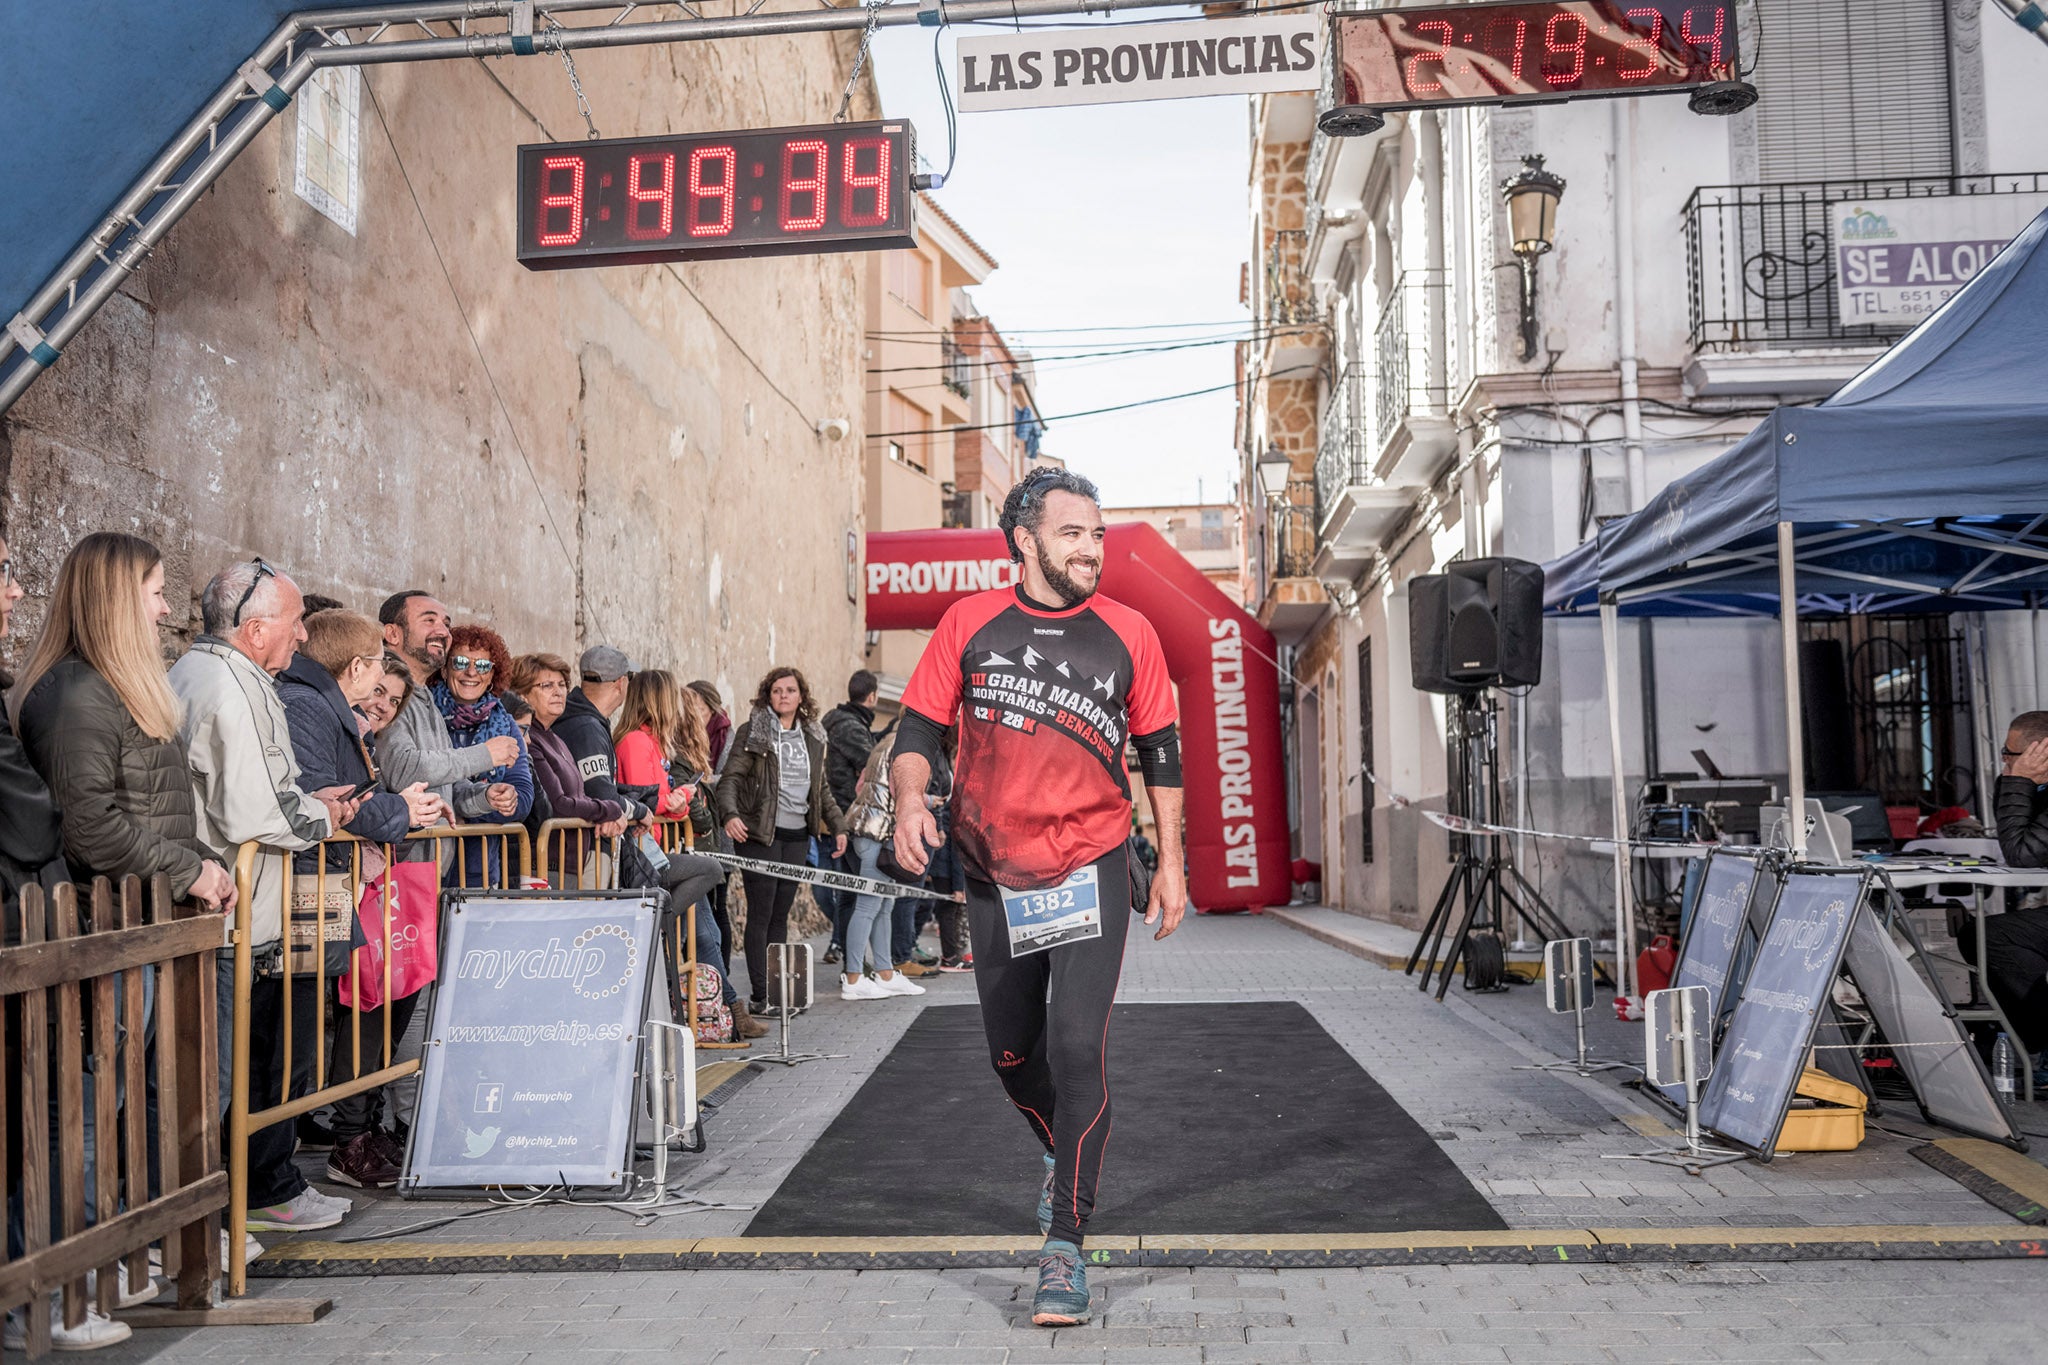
x=1047, y=681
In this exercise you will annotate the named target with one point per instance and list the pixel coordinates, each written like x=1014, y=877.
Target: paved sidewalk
x=1531, y=1141
x=1993, y=1311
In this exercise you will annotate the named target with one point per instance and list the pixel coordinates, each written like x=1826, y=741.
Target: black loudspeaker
x=1476, y=625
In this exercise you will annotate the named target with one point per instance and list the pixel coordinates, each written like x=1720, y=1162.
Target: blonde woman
x=651, y=745
x=97, y=716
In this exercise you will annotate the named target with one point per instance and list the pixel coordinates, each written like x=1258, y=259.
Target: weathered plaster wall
x=270, y=384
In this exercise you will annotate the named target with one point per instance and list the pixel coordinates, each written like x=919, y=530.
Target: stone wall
x=625, y=455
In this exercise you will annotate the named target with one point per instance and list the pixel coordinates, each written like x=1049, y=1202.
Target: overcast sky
x=1108, y=215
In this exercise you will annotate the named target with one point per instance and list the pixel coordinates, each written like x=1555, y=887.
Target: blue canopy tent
x=1921, y=486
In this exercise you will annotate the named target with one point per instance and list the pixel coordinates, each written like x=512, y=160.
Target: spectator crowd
x=294, y=719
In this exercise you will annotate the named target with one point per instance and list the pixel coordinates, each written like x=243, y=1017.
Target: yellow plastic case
x=1833, y=1123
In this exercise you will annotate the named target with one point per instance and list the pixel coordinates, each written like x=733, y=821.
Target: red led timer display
x=1510, y=53
x=762, y=192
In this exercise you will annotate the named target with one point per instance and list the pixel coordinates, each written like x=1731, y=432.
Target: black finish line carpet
x=1230, y=1118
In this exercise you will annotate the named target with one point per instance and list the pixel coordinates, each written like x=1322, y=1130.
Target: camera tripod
x=1484, y=878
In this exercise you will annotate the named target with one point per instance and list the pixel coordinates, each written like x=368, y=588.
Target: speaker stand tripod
x=1482, y=882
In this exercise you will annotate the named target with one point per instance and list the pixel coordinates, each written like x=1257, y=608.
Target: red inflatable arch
x=1221, y=660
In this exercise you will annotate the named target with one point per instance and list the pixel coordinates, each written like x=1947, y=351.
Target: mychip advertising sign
x=531, y=1055
x=1897, y=260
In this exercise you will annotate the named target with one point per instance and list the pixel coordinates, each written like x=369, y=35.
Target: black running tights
x=1046, y=1015
x=768, y=902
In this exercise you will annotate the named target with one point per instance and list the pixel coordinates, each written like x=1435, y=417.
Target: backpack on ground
x=710, y=1016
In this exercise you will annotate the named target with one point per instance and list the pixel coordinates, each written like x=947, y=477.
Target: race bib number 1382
x=1046, y=918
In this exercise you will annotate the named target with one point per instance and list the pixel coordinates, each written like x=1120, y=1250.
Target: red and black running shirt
x=1045, y=700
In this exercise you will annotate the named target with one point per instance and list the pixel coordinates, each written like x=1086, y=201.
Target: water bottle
x=2005, y=1068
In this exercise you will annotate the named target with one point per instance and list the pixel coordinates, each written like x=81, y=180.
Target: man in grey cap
x=586, y=725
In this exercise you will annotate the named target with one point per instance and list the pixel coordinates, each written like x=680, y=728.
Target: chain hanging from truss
x=860, y=60
x=569, y=65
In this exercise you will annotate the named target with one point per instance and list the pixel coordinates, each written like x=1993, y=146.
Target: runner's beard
x=1072, y=594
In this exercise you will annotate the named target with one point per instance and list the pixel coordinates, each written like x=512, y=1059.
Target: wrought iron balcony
x=1290, y=300
x=1401, y=344
x=1345, y=454
x=1760, y=260
x=1291, y=530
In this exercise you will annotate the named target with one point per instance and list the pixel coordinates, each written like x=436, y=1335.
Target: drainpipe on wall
x=1623, y=116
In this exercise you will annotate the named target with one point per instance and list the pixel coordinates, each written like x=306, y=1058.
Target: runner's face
x=1068, y=546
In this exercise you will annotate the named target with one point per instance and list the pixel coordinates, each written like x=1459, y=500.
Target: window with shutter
x=1852, y=89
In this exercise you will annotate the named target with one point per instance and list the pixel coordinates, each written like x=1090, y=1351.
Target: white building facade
x=1690, y=289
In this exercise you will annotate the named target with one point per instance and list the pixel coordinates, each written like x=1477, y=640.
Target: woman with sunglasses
x=472, y=676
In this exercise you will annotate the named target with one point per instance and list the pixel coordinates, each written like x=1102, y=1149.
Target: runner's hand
x=916, y=835
x=1169, y=894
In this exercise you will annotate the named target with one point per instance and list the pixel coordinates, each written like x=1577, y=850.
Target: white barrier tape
x=1461, y=824
x=841, y=881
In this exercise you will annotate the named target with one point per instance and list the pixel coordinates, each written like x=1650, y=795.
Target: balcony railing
x=1290, y=300
x=958, y=372
x=1401, y=344
x=1291, y=530
x=1320, y=144
x=1760, y=259
x=1344, y=457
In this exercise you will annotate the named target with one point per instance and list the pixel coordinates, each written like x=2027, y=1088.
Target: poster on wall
x=1897, y=260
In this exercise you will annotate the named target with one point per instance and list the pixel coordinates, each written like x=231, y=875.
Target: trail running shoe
x=1062, y=1297
x=1045, y=1200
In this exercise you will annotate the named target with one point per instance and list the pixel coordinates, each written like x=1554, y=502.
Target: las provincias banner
x=1266, y=54
x=1221, y=660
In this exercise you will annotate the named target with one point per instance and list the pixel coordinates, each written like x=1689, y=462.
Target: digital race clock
x=707, y=196
x=1512, y=53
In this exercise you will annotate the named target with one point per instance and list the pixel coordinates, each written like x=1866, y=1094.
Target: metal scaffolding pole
x=306, y=42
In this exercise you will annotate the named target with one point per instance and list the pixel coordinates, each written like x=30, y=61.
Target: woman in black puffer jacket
x=100, y=724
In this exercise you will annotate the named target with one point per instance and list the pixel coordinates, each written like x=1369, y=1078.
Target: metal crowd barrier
x=242, y=1120
x=597, y=867
x=77, y=1013
x=559, y=843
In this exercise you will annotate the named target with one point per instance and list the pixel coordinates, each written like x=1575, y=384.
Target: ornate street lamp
x=1531, y=195
x=1274, y=469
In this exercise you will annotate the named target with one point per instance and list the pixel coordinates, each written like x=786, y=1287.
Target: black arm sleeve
x=919, y=734
x=1159, y=756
